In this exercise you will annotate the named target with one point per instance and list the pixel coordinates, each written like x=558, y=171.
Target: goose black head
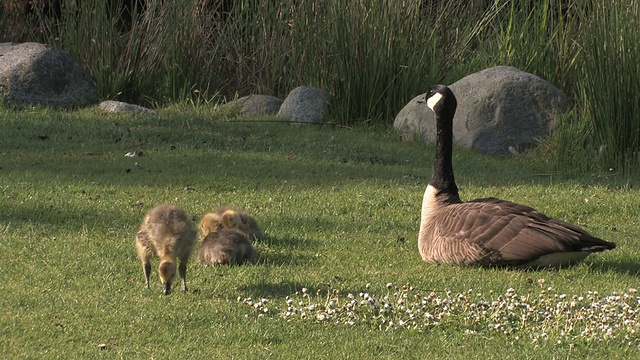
x=441, y=100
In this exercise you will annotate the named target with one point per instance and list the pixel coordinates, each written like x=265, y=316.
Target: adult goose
x=488, y=232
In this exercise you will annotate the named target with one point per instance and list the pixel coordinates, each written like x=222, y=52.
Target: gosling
x=226, y=247
x=167, y=233
x=210, y=223
x=244, y=221
x=230, y=218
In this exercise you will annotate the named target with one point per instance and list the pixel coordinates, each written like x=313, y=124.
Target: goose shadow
x=621, y=267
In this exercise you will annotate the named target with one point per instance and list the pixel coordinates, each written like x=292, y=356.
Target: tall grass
x=371, y=56
x=366, y=54
x=538, y=37
x=610, y=83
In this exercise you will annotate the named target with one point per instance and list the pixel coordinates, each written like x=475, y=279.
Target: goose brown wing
x=554, y=227
x=509, y=233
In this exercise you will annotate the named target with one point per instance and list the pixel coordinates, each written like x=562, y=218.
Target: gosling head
x=231, y=219
x=211, y=222
x=441, y=101
x=167, y=271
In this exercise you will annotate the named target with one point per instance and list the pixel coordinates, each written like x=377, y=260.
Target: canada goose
x=488, y=232
x=167, y=233
x=226, y=247
x=230, y=218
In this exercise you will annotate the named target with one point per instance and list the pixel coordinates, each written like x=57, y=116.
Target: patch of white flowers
x=542, y=317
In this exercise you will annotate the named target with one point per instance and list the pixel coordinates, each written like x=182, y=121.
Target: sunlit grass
x=340, y=208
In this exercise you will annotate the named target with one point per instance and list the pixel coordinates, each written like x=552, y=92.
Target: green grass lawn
x=338, y=276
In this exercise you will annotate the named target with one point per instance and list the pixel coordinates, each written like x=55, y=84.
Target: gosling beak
x=420, y=101
x=167, y=289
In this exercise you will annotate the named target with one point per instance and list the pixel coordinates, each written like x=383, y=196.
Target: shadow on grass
x=242, y=152
x=50, y=214
x=270, y=258
x=287, y=242
x=622, y=268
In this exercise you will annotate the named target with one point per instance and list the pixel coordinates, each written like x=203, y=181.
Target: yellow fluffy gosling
x=167, y=233
x=229, y=218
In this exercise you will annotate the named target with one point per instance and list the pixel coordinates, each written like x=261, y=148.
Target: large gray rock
x=304, y=104
x=255, y=105
x=498, y=108
x=33, y=74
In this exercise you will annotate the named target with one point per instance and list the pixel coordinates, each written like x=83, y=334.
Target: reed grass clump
x=609, y=84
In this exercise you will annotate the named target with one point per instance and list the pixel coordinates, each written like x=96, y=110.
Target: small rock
x=304, y=104
x=256, y=105
x=119, y=107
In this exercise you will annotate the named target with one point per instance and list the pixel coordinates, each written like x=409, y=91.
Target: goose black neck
x=442, y=177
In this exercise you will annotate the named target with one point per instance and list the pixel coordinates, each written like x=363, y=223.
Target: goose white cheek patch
x=433, y=100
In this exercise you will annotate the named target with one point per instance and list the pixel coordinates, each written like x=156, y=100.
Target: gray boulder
x=33, y=74
x=304, y=104
x=256, y=105
x=119, y=107
x=498, y=108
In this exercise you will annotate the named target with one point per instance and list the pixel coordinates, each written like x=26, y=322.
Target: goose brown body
x=166, y=232
x=226, y=247
x=490, y=231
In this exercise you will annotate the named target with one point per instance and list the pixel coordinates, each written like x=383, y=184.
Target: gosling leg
x=182, y=269
x=146, y=266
